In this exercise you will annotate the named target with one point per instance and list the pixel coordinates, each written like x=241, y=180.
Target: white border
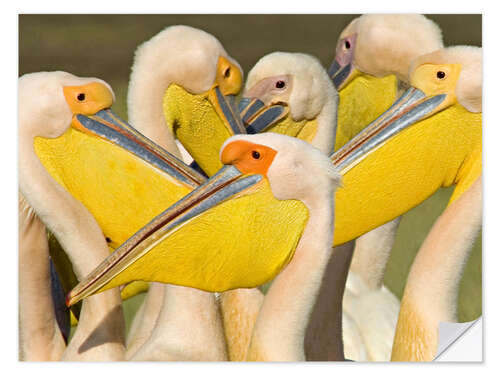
x=9, y=61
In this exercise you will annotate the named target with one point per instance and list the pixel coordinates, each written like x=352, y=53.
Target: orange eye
x=256, y=155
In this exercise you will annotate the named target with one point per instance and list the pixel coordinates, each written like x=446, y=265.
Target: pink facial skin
x=343, y=64
x=268, y=88
x=344, y=54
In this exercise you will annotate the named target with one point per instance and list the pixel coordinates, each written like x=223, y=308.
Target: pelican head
x=455, y=71
x=371, y=64
x=299, y=97
x=50, y=101
x=293, y=169
x=183, y=83
x=266, y=177
x=382, y=44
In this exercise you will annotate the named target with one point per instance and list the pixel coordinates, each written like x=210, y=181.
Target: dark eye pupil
x=441, y=74
x=227, y=72
x=81, y=97
x=280, y=84
x=256, y=154
x=347, y=44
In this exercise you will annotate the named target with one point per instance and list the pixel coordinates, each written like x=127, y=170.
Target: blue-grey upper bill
x=410, y=108
x=109, y=126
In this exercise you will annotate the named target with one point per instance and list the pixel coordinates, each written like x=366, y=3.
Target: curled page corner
x=460, y=342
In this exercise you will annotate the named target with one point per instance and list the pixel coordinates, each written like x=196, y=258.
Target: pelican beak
x=225, y=184
x=108, y=126
x=258, y=117
x=341, y=75
x=410, y=108
x=342, y=70
x=228, y=82
x=227, y=110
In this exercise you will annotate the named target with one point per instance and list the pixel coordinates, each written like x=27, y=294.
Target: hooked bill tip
x=68, y=299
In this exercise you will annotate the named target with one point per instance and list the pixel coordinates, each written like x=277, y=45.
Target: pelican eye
x=227, y=72
x=280, y=84
x=81, y=97
x=256, y=155
x=108, y=240
x=441, y=74
x=347, y=44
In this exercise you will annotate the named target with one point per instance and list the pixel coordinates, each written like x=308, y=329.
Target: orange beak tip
x=68, y=300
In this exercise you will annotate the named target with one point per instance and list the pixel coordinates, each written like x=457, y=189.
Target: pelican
x=366, y=63
x=47, y=102
x=182, y=88
x=63, y=153
x=373, y=56
x=442, y=257
x=280, y=327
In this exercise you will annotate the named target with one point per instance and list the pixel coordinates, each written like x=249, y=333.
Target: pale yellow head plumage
x=382, y=44
x=456, y=71
x=172, y=92
x=299, y=82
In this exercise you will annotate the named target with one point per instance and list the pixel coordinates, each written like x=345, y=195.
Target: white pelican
x=173, y=94
x=280, y=328
x=46, y=107
x=373, y=55
x=431, y=291
x=63, y=153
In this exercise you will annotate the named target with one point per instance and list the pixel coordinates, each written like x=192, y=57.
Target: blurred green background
x=103, y=46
